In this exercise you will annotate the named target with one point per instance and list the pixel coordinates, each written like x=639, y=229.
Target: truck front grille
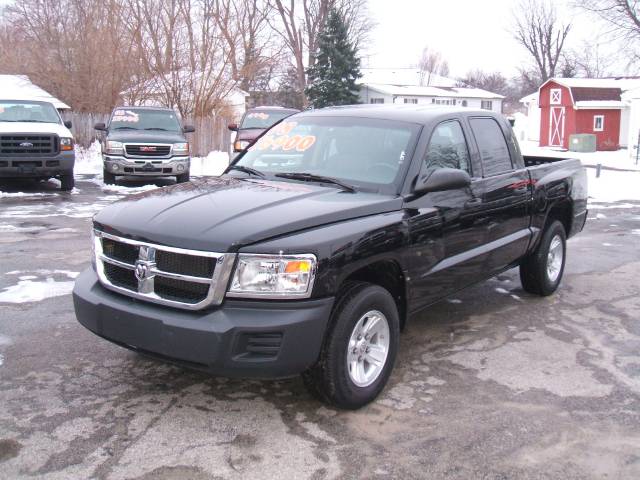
x=147, y=151
x=190, y=279
x=29, y=145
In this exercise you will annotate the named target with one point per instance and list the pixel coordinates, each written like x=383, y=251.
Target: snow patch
x=35, y=291
x=502, y=290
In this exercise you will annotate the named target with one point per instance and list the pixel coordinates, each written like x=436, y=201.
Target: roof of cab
x=420, y=114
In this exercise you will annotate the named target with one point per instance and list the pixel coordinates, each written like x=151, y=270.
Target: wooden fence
x=211, y=132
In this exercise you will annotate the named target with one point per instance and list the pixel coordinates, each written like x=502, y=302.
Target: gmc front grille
x=147, y=151
x=189, y=279
x=29, y=145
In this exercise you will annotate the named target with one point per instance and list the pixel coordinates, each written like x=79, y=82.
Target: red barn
x=580, y=105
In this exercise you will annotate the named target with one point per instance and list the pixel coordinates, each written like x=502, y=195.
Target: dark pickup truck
x=145, y=141
x=317, y=245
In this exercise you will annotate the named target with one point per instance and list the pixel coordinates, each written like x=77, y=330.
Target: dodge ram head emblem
x=26, y=144
x=142, y=270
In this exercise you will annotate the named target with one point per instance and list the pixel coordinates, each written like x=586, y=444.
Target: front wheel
x=360, y=349
x=182, y=178
x=541, y=272
x=67, y=182
x=108, y=177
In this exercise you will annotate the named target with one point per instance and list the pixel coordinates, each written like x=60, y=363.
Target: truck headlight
x=240, y=145
x=181, y=148
x=66, y=144
x=114, y=148
x=273, y=276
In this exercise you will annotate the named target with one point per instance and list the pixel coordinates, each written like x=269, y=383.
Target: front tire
x=182, y=178
x=360, y=349
x=541, y=272
x=108, y=177
x=67, y=182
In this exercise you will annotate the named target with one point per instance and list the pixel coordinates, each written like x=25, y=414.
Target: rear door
x=506, y=195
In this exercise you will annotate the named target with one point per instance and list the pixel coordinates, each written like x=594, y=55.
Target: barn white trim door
x=556, y=126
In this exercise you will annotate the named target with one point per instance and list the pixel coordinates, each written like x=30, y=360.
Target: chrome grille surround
x=217, y=283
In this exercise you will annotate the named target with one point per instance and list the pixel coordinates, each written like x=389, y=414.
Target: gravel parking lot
x=492, y=383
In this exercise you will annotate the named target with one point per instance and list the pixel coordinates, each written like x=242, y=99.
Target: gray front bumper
x=37, y=167
x=147, y=167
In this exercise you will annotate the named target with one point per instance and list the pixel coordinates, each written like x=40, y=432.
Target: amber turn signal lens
x=298, y=266
x=66, y=147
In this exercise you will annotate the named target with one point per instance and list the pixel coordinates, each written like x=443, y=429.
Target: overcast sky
x=469, y=33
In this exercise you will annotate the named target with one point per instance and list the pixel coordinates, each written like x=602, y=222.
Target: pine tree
x=332, y=79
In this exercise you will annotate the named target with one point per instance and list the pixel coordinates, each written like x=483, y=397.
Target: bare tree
x=300, y=22
x=254, y=50
x=185, y=60
x=493, y=82
x=430, y=64
x=624, y=17
x=538, y=30
x=587, y=61
x=77, y=49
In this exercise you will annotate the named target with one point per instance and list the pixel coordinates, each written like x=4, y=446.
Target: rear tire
x=182, y=178
x=364, y=326
x=67, y=182
x=541, y=272
x=108, y=177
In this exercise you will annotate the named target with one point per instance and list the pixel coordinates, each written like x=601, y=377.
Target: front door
x=447, y=229
x=556, y=127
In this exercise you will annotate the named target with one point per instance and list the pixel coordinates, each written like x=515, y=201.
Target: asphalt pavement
x=492, y=383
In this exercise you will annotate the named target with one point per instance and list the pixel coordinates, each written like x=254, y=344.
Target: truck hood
x=34, y=127
x=222, y=214
x=145, y=136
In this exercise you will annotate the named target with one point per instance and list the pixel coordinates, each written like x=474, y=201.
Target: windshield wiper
x=249, y=170
x=157, y=128
x=310, y=177
x=125, y=128
x=32, y=121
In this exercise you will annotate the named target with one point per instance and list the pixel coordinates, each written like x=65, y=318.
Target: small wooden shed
x=580, y=105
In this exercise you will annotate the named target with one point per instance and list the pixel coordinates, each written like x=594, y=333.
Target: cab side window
x=447, y=148
x=493, y=147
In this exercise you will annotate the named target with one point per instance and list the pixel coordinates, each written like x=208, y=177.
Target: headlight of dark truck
x=273, y=276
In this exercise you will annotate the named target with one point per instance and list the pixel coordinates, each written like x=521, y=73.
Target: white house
x=19, y=87
x=475, y=98
x=529, y=125
x=632, y=99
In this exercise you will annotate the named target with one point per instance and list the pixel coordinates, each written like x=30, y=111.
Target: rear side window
x=447, y=148
x=492, y=145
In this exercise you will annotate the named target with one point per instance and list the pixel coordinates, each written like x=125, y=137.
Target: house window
x=411, y=100
x=443, y=101
x=486, y=105
x=555, y=96
x=376, y=100
x=598, y=123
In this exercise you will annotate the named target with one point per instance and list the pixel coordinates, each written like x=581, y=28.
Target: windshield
x=26, y=111
x=359, y=151
x=144, y=119
x=263, y=119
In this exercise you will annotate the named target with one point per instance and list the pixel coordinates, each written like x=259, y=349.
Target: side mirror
x=67, y=123
x=233, y=127
x=441, y=179
x=188, y=129
x=100, y=126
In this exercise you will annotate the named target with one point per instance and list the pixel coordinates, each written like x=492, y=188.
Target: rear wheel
x=108, y=177
x=360, y=349
x=541, y=272
x=182, y=178
x=67, y=182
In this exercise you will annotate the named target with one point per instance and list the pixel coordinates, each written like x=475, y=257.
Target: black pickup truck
x=317, y=245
